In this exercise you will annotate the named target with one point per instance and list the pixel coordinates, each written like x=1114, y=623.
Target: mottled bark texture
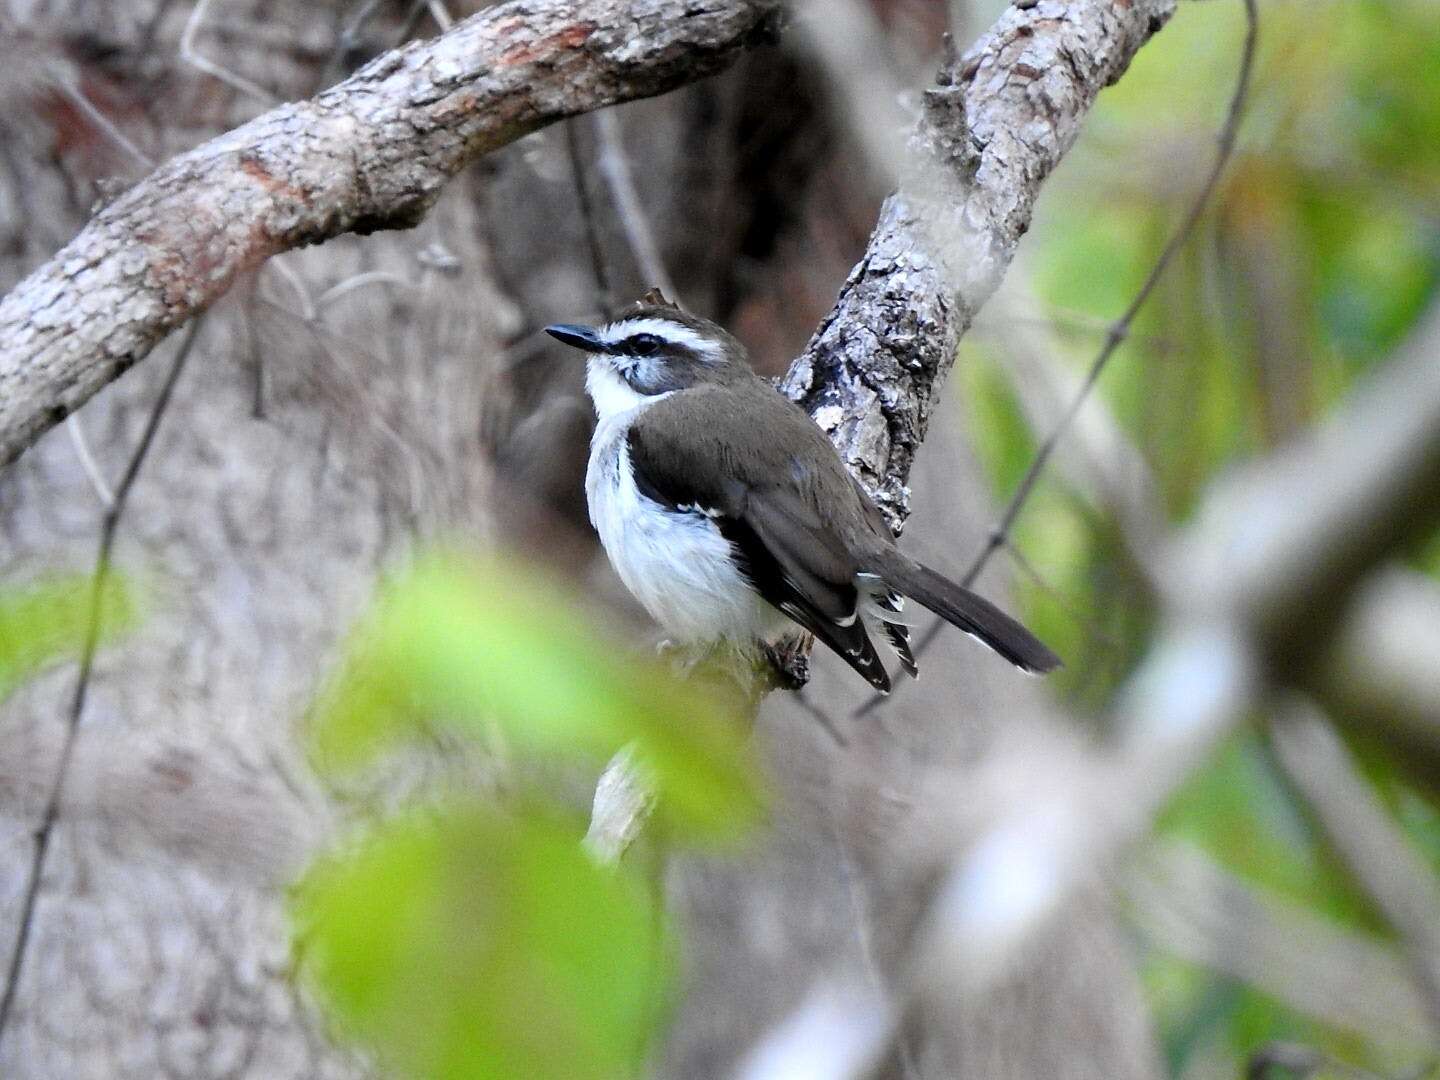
x=991, y=130
x=370, y=153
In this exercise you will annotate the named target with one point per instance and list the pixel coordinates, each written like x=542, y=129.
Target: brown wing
x=770, y=508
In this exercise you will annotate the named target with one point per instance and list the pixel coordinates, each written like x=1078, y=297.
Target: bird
x=730, y=516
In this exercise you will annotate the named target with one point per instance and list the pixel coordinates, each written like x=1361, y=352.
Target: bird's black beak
x=581, y=337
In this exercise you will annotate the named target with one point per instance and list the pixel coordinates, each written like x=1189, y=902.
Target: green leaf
x=476, y=643
x=477, y=944
x=49, y=619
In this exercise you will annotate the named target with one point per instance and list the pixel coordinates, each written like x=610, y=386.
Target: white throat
x=611, y=394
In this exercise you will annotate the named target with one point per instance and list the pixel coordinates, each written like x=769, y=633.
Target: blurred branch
x=614, y=165
x=1191, y=907
x=370, y=153
x=840, y=1032
x=1380, y=673
x=1255, y=591
x=1102, y=464
x=604, y=294
x=1251, y=589
x=1120, y=330
x=1316, y=762
x=101, y=577
x=623, y=803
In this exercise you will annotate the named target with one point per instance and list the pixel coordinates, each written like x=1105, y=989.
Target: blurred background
x=350, y=407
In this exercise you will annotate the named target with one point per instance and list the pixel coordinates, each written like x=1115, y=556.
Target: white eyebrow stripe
x=673, y=332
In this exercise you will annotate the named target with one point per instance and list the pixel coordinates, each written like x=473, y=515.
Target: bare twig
x=614, y=166
x=192, y=56
x=440, y=14
x=604, y=294
x=87, y=462
x=1065, y=603
x=99, y=580
x=286, y=272
x=1317, y=764
x=99, y=119
x=360, y=281
x=1103, y=464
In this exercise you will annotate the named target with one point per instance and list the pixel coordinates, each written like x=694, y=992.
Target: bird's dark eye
x=643, y=344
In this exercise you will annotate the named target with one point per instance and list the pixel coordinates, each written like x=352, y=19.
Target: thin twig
x=347, y=41
x=603, y=293
x=284, y=270
x=820, y=717
x=614, y=166
x=1118, y=332
x=109, y=524
x=100, y=120
x=1026, y=567
x=441, y=15
x=87, y=462
x=356, y=281
x=192, y=56
x=1120, y=329
x=417, y=11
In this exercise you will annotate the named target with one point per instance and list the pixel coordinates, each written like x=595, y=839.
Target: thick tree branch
x=369, y=153
x=991, y=130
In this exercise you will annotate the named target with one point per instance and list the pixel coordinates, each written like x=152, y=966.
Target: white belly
x=677, y=565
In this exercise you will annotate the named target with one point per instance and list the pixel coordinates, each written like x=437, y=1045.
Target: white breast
x=677, y=565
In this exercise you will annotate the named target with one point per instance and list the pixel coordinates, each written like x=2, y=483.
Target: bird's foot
x=789, y=660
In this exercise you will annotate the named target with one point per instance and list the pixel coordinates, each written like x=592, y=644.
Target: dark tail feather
x=965, y=610
x=900, y=641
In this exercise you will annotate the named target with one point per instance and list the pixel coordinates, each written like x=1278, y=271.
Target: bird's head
x=652, y=350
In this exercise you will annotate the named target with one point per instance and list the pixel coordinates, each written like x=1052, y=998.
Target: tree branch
x=370, y=153
x=991, y=130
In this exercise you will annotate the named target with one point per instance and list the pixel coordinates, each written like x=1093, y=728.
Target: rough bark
x=370, y=153
x=995, y=125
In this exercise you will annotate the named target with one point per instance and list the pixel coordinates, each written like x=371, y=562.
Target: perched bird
x=726, y=511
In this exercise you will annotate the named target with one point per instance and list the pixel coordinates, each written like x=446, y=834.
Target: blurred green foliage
x=49, y=619
x=474, y=942
x=1319, y=252
x=482, y=941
